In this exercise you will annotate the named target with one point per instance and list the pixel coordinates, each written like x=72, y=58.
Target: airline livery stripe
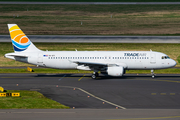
x=20, y=46
x=13, y=28
x=15, y=33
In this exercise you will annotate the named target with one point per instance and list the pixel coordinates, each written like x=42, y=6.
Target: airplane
x=112, y=63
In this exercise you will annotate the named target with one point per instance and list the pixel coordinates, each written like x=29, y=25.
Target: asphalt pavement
x=128, y=97
x=96, y=39
x=129, y=92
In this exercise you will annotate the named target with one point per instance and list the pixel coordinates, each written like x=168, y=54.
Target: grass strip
x=172, y=50
x=95, y=19
x=49, y=70
x=29, y=100
x=91, y=0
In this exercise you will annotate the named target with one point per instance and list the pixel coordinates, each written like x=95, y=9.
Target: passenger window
x=163, y=57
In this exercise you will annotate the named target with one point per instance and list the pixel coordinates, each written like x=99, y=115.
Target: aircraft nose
x=173, y=63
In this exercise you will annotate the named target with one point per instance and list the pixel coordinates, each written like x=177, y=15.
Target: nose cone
x=173, y=63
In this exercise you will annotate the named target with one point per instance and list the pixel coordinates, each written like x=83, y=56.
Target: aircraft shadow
x=104, y=77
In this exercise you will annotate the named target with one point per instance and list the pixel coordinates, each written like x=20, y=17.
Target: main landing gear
x=95, y=75
x=152, y=73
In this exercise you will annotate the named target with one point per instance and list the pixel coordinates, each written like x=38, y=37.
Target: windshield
x=165, y=57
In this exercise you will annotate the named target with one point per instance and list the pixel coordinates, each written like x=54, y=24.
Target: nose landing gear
x=152, y=73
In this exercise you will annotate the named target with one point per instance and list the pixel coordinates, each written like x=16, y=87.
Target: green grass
x=172, y=50
x=57, y=71
x=163, y=71
x=93, y=0
x=41, y=70
x=178, y=59
x=29, y=100
x=66, y=19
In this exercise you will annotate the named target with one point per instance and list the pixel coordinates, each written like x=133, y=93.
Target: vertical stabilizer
x=20, y=41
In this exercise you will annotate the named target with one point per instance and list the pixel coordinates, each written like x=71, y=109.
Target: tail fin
x=20, y=41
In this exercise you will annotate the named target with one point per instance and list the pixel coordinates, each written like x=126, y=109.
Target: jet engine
x=115, y=71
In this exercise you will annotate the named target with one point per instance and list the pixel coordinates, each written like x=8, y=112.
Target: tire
x=153, y=77
x=93, y=76
x=97, y=74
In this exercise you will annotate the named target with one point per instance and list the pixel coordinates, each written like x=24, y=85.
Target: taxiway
x=130, y=97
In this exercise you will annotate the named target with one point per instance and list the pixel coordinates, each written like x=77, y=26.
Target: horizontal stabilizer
x=15, y=55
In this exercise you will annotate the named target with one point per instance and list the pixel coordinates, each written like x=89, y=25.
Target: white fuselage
x=128, y=59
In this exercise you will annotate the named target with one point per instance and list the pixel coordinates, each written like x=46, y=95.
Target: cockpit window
x=165, y=57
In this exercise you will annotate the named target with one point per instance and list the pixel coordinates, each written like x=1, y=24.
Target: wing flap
x=92, y=65
x=89, y=63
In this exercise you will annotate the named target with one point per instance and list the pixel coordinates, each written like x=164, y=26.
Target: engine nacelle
x=115, y=71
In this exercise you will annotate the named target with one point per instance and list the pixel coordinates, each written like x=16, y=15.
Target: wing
x=92, y=65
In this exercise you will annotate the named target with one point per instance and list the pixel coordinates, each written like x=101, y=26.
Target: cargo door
x=40, y=58
x=153, y=58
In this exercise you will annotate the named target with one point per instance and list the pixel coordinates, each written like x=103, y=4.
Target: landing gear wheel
x=94, y=76
x=152, y=72
x=153, y=76
x=97, y=74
